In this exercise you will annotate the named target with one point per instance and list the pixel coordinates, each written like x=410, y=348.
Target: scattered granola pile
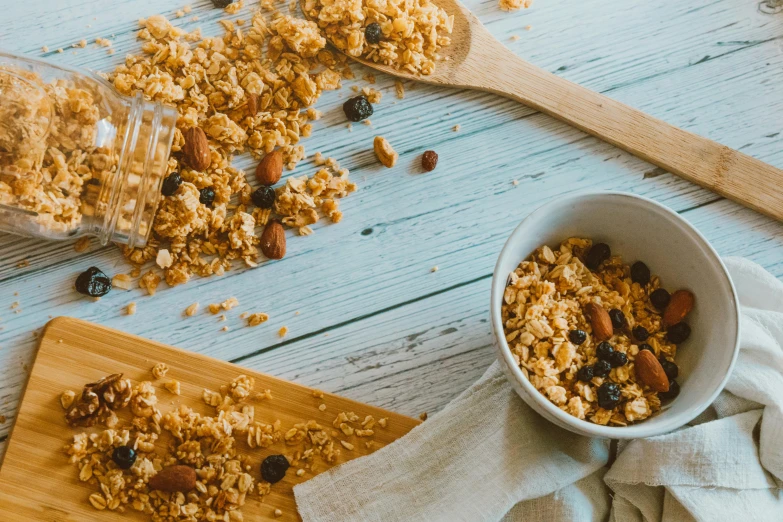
x=594, y=335
x=250, y=90
x=514, y=5
x=405, y=34
x=205, y=471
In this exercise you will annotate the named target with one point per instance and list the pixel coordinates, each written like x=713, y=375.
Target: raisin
x=357, y=108
x=640, y=333
x=608, y=395
x=222, y=3
x=171, y=184
x=678, y=333
x=670, y=369
x=618, y=319
x=601, y=368
x=93, y=282
x=273, y=468
x=674, y=391
x=599, y=253
x=585, y=373
x=206, y=196
x=124, y=457
x=577, y=336
x=603, y=351
x=429, y=160
x=640, y=273
x=647, y=347
x=264, y=197
x=660, y=299
x=373, y=33
x=617, y=359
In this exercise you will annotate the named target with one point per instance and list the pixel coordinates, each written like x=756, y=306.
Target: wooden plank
x=732, y=229
x=653, y=40
x=420, y=356
x=38, y=483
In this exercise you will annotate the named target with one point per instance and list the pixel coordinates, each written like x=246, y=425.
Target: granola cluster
x=214, y=446
x=249, y=90
x=412, y=31
x=514, y=5
x=545, y=301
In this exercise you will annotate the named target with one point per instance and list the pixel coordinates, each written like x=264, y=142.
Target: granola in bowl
x=577, y=321
x=406, y=35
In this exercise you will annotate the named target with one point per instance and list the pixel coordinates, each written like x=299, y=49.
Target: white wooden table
x=374, y=322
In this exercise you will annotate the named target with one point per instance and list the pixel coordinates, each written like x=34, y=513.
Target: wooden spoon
x=476, y=60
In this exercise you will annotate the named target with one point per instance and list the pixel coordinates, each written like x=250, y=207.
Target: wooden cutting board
x=38, y=483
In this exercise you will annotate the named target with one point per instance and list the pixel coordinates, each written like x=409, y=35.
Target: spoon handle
x=730, y=173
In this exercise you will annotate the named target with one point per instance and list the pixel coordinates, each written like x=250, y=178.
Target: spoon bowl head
x=451, y=57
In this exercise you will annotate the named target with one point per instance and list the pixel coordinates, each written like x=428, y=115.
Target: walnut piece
x=98, y=399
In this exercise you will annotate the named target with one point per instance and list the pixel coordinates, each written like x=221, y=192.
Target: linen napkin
x=488, y=456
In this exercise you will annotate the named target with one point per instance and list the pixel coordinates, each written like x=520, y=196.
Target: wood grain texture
x=713, y=67
x=38, y=483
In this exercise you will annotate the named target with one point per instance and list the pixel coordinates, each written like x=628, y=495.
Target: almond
x=650, y=372
x=252, y=104
x=680, y=305
x=174, y=478
x=270, y=170
x=273, y=240
x=600, y=321
x=196, y=149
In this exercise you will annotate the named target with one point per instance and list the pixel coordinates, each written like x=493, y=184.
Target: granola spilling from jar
x=594, y=335
x=183, y=465
x=251, y=90
x=50, y=164
x=404, y=34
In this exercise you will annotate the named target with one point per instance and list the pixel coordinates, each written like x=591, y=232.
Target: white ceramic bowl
x=638, y=229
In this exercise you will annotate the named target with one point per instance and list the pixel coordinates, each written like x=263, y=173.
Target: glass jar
x=76, y=157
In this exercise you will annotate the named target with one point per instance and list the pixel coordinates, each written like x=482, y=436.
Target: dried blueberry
x=273, y=468
x=618, y=359
x=585, y=373
x=618, y=318
x=264, y=197
x=124, y=457
x=373, y=33
x=206, y=196
x=670, y=369
x=222, y=3
x=678, y=333
x=608, y=395
x=599, y=253
x=429, y=160
x=601, y=368
x=577, y=336
x=93, y=282
x=603, y=351
x=640, y=273
x=660, y=298
x=640, y=333
x=674, y=391
x=647, y=347
x=357, y=108
x=171, y=184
